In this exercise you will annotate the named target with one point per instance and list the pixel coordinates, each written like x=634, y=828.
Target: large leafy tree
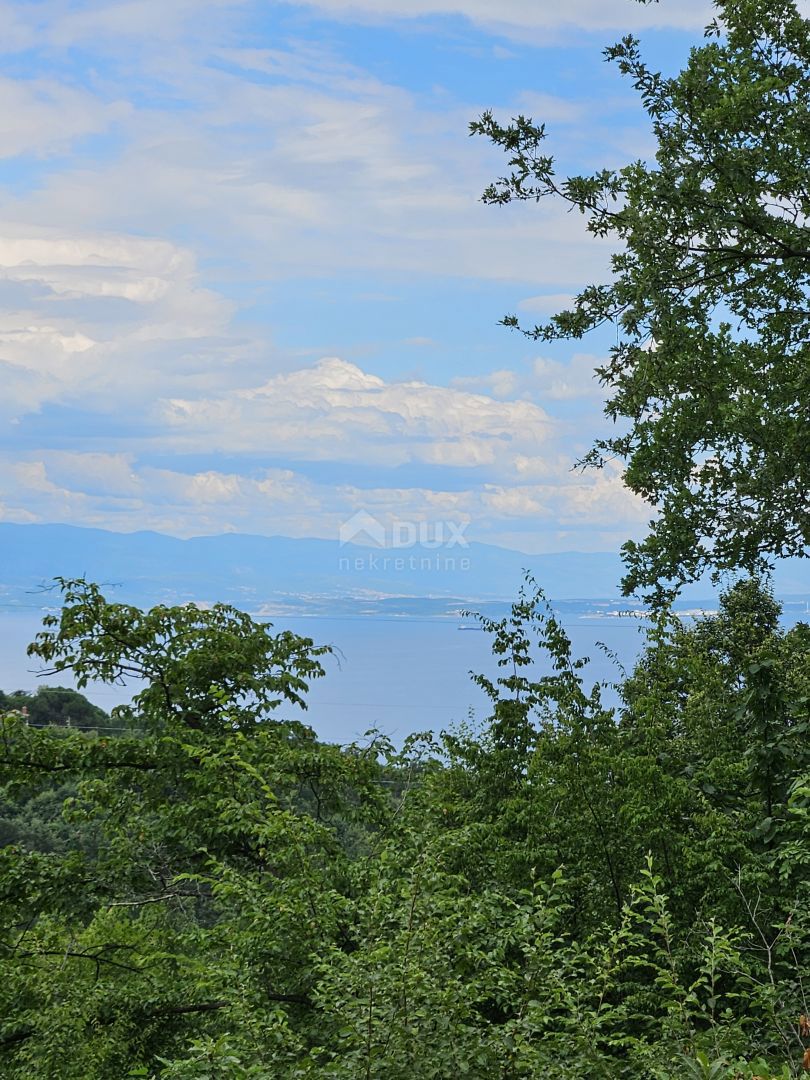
x=204, y=864
x=709, y=378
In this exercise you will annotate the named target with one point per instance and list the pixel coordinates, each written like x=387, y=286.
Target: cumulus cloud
x=93, y=316
x=96, y=353
x=558, y=381
x=115, y=491
x=546, y=380
x=335, y=411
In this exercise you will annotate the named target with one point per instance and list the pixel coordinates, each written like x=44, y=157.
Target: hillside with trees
x=572, y=889
x=594, y=881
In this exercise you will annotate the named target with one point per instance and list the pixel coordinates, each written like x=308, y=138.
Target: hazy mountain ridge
x=279, y=574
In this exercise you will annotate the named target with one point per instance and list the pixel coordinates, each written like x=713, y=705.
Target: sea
x=396, y=674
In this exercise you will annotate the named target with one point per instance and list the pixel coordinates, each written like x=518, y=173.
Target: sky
x=247, y=282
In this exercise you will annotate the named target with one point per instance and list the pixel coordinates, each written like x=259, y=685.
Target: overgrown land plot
x=584, y=885
x=195, y=886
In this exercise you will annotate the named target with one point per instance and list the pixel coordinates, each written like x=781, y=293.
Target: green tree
x=573, y=892
x=220, y=870
x=33, y=819
x=713, y=729
x=710, y=374
x=55, y=705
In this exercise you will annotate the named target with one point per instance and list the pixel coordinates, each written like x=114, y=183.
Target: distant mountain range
x=277, y=574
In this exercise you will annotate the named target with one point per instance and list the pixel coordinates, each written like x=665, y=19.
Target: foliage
x=55, y=705
x=219, y=868
x=576, y=888
x=34, y=819
x=709, y=376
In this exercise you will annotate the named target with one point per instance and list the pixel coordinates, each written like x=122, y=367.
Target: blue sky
x=246, y=281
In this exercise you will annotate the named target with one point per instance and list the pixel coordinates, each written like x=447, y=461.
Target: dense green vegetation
x=55, y=705
x=33, y=818
x=572, y=889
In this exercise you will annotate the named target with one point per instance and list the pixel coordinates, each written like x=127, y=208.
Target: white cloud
x=113, y=491
x=501, y=384
x=61, y=25
x=554, y=380
x=335, y=411
x=541, y=467
x=546, y=381
x=92, y=352
x=514, y=502
x=19, y=30
x=95, y=314
x=546, y=303
x=330, y=171
x=91, y=473
x=512, y=16
x=603, y=499
x=266, y=164
x=124, y=22
x=43, y=117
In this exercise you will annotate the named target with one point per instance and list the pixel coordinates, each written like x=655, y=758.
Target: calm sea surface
x=396, y=674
